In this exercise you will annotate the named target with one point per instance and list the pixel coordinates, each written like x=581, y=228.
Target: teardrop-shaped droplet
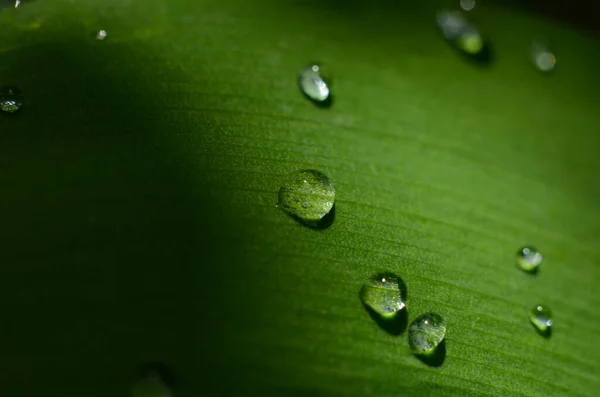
x=426, y=332
x=529, y=259
x=155, y=381
x=308, y=196
x=541, y=317
x=457, y=30
x=11, y=99
x=315, y=82
x=542, y=58
x=385, y=294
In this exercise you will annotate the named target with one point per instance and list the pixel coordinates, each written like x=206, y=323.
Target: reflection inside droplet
x=101, y=35
x=467, y=5
x=543, y=59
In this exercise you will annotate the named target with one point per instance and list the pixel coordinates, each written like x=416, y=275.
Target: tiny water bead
x=101, y=35
x=426, y=332
x=529, y=259
x=314, y=81
x=308, y=196
x=542, y=58
x=541, y=317
x=385, y=294
x=10, y=99
x=457, y=30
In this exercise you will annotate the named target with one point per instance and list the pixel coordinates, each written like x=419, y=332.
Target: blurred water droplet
x=101, y=35
x=17, y=3
x=11, y=99
x=426, y=333
x=315, y=82
x=467, y=5
x=529, y=259
x=541, y=317
x=155, y=381
x=308, y=196
x=457, y=30
x=542, y=58
x=385, y=294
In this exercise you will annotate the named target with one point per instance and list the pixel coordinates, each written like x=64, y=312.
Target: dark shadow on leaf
x=393, y=326
x=483, y=58
x=324, y=223
x=435, y=358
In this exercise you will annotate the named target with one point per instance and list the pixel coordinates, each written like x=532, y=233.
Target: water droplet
x=315, y=82
x=11, y=99
x=384, y=294
x=529, y=259
x=308, y=196
x=101, y=35
x=426, y=333
x=542, y=58
x=17, y=3
x=457, y=30
x=467, y=5
x=541, y=317
x=155, y=381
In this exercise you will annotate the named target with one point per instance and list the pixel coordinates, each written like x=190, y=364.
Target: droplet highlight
x=384, y=294
x=11, y=99
x=541, y=318
x=426, y=333
x=309, y=197
x=542, y=58
x=529, y=259
x=458, y=32
x=467, y=5
x=101, y=35
x=155, y=381
x=314, y=81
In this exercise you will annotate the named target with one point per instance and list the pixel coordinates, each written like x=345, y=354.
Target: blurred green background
x=139, y=183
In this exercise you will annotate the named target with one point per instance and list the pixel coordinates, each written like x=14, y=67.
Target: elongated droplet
x=315, y=82
x=541, y=317
x=384, y=294
x=542, y=58
x=11, y=99
x=154, y=382
x=529, y=259
x=457, y=30
x=308, y=196
x=426, y=333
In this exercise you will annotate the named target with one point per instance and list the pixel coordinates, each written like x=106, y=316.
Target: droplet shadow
x=160, y=371
x=436, y=357
x=483, y=58
x=547, y=333
x=321, y=224
x=326, y=104
x=393, y=326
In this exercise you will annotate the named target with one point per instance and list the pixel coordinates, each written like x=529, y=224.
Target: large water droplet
x=541, y=318
x=309, y=197
x=11, y=99
x=457, y=30
x=155, y=381
x=426, y=333
x=542, y=58
x=315, y=82
x=529, y=259
x=384, y=294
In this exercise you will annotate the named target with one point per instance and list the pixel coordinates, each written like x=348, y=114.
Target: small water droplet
x=541, y=317
x=384, y=294
x=467, y=5
x=17, y=3
x=101, y=35
x=314, y=81
x=457, y=30
x=155, y=381
x=11, y=99
x=529, y=259
x=426, y=333
x=308, y=196
x=542, y=58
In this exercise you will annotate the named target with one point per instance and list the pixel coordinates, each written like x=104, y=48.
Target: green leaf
x=141, y=175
